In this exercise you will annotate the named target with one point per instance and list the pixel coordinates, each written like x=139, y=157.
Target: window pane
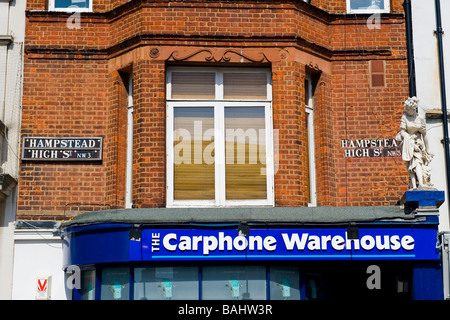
x=307, y=84
x=88, y=285
x=314, y=286
x=367, y=4
x=194, y=154
x=245, y=85
x=116, y=284
x=71, y=4
x=193, y=85
x=234, y=283
x=179, y=283
x=245, y=153
x=284, y=283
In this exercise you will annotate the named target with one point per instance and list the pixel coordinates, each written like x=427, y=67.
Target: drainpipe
x=409, y=48
x=129, y=165
x=439, y=32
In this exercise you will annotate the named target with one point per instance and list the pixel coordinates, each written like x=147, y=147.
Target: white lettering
x=209, y=244
x=166, y=242
x=195, y=241
x=382, y=246
x=325, y=239
x=349, y=153
x=338, y=243
x=252, y=240
x=408, y=243
x=155, y=242
x=32, y=143
x=259, y=309
x=395, y=242
x=185, y=243
x=367, y=242
x=270, y=243
x=222, y=241
x=294, y=241
x=314, y=243
x=240, y=243
x=348, y=243
x=66, y=154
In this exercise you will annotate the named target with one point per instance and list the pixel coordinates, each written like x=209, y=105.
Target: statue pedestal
x=422, y=200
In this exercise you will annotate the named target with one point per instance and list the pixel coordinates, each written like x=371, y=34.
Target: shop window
x=166, y=283
x=88, y=280
x=234, y=283
x=313, y=286
x=284, y=283
x=368, y=6
x=115, y=284
x=219, y=137
x=70, y=5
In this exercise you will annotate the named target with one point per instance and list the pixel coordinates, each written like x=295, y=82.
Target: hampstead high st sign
x=62, y=149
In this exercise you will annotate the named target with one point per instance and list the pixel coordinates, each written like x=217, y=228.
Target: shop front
x=254, y=253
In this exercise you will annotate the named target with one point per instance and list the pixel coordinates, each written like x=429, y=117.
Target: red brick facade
x=74, y=86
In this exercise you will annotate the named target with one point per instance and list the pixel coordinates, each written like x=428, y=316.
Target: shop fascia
x=290, y=242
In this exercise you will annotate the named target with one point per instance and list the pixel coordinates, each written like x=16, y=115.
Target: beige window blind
x=245, y=153
x=194, y=175
x=249, y=86
x=193, y=85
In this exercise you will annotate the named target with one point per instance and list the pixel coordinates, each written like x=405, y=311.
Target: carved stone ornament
x=413, y=142
x=154, y=53
x=225, y=56
x=284, y=54
x=313, y=66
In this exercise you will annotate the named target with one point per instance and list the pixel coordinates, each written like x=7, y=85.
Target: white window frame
x=387, y=8
x=309, y=109
x=219, y=105
x=72, y=8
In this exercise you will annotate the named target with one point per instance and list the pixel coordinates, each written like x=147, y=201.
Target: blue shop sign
x=285, y=244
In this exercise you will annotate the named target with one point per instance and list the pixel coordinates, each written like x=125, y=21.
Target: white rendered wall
x=12, y=33
x=37, y=252
x=428, y=85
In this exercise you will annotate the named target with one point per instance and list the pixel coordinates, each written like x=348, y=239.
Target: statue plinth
x=422, y=198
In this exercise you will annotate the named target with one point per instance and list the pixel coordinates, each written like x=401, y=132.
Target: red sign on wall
x=43, y=286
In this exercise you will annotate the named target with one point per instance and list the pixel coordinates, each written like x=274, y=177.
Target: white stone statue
x=413, y=142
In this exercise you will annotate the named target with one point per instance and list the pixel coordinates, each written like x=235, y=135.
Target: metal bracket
x=439, y=30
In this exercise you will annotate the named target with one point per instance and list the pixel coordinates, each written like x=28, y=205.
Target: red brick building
x=254, y=103
x=76, y=81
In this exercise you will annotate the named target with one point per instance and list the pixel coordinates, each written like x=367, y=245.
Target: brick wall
x=289, y=120
x=74, y=86
x=149, y=162
x=364, y=112
x=63, y=98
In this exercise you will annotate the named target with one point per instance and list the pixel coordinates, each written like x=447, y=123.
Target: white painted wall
x=7, y=217
x=428, y=85
x=12, y=33
x=37, y=252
